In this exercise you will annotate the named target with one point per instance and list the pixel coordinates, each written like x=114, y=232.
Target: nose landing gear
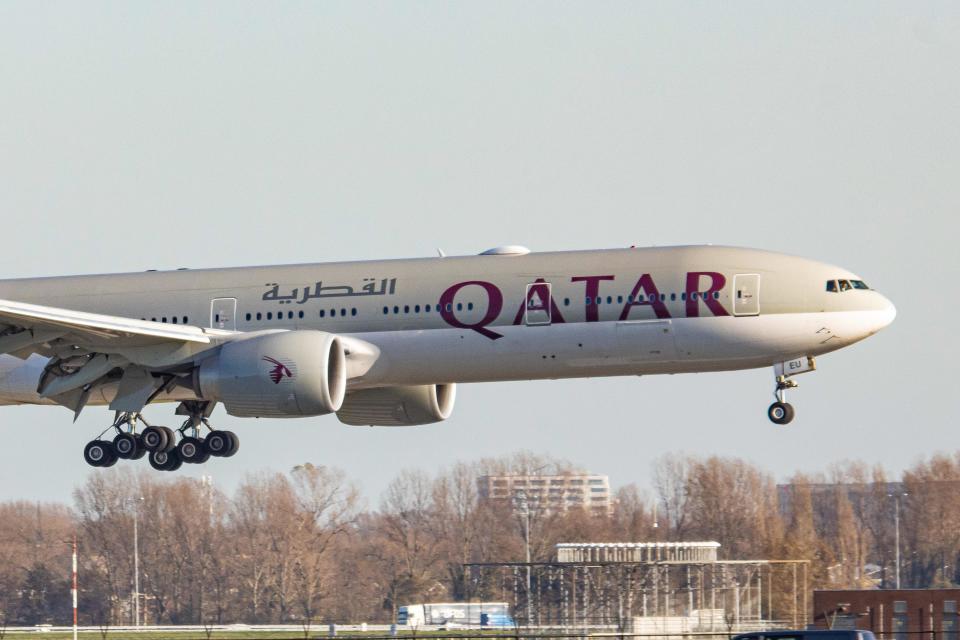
x=781, y=411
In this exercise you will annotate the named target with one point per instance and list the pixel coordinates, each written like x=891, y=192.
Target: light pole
x=523, y=505
x=896, y=522
x=135, y=502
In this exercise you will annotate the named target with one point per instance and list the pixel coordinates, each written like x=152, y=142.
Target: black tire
x=155, y=439
x=218, y=443
x=125, y=446
x=175, y=461
x=780, y=413
x=163, y=460
x=191, y=450
x=204, y=454
x=98, y=453
x=171, y=439
x=235, y=444
x=141, y=450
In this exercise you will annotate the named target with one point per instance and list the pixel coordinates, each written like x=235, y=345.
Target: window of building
x=900, y=619
x=949, y=620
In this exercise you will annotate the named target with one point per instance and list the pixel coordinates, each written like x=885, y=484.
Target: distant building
x=899, y=614
x=549, y=494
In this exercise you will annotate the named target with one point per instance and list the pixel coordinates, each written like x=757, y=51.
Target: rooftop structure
x=638, y=552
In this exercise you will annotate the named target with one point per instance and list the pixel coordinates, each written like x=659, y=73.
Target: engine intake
x=399, y=406
x=290, y=374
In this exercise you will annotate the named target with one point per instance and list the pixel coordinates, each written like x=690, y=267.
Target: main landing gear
x=165, y=452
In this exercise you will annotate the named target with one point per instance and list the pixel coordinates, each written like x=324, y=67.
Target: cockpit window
x=838, y=286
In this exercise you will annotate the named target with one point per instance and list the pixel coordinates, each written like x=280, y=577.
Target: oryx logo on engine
x=279, y=370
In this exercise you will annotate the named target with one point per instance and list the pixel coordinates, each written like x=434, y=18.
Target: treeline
x=303, y=546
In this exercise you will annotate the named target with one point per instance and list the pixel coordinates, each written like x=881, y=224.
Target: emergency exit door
x=538, y=309
x=746, y=294
x=223, y=314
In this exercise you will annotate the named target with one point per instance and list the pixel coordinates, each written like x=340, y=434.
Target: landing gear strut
x=166, y=454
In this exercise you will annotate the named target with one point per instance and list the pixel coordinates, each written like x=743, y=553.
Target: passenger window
x=832, y=286
x=566, y=302
x=300, y=315
x=396, y=310
x=259, y=316
x=164, y=319
x=386, y=310
x=185, y=320
x=343, y=312
x=353, y=312
x=609, y=299
x=619, y=299
x=416, y=308
x=248, y=317
x=406, y=308
x=469, y=306
x=322, y=313
x=269, y=315
x=175, y=319
x=459, y=306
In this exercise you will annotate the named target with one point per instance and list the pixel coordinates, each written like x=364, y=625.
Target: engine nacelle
x=278, y=375
x=398, y=406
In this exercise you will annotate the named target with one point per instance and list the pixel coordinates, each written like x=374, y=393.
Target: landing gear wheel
x=165, y=460
x=234, y=444
x=191, y=450
x=125, y=445
x=780, y=412
x=100, y=453
x=219, y=443
x=141, y=449
x=171, y=439
x=155, y=439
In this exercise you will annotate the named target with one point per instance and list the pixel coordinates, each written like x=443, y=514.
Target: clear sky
x=181, y=134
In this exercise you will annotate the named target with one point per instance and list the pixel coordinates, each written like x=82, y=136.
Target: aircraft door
x=746, y=294
x=223, y=314
x=539, y=306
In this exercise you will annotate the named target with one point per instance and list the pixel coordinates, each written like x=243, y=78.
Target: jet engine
x=398, y=406
x=288, y=374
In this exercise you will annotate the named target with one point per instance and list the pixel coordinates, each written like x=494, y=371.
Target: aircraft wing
x=87, y=348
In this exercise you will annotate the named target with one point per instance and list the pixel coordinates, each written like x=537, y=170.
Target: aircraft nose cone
x=890, y=312
x=883, y=316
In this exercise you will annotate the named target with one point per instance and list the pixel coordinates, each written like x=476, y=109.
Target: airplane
x=384, y=343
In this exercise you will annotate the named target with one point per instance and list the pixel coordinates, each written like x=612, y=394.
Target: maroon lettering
x=695, y=293
x=494, y=306
x=591, y=293
x=645, y=294
x=537, y=295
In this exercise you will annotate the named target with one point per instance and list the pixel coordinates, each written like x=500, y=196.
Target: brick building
x=898, y=613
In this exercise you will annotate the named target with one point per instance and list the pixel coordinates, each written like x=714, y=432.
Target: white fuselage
x=499, y=317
